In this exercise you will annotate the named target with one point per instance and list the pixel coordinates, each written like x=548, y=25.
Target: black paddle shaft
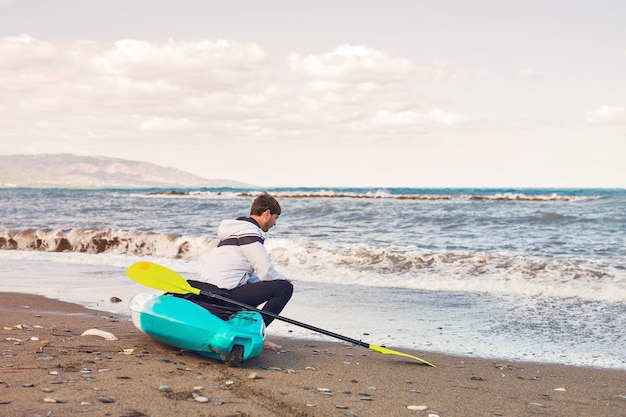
x=285, y=319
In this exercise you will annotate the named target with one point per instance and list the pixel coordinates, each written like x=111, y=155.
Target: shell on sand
x=101, y=333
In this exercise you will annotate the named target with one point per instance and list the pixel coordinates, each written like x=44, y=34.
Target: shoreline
x=48, y=368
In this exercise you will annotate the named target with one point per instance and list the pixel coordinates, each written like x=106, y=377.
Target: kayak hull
x=184, y=324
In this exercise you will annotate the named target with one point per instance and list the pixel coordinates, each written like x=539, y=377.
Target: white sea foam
x=356, y=264
x=544, y=329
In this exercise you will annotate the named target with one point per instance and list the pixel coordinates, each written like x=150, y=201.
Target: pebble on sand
x=105, y=400
x=54, y=400
x=201, y=399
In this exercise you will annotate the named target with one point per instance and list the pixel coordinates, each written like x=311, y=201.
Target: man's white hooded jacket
x=240, y=257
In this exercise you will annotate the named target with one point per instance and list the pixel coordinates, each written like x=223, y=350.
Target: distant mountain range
x=73, y=171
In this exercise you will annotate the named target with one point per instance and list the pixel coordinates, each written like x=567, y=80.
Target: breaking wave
x=97, y=241
x=396, y=194
x=360, y=264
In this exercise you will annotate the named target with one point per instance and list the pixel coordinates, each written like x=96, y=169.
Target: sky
x=341, y=93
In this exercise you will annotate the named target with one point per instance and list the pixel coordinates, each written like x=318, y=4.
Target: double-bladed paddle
x=162, y=278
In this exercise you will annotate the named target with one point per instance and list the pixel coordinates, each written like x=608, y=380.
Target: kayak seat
x=219, y=308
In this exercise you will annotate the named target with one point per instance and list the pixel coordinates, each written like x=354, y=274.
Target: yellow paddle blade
x=393, y=352
x=160, y=278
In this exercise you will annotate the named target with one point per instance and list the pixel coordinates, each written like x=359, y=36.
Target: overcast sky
x=418, y=93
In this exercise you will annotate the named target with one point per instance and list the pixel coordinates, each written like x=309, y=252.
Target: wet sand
x=48, y=369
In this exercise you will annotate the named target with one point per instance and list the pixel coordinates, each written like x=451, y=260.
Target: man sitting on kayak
x=241, y=266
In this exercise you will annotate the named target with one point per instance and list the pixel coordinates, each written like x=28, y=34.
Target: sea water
x=534, y=275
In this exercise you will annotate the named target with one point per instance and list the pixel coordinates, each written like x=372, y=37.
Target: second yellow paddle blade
x=393, y=352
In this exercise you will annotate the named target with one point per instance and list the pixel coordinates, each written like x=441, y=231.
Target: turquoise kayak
x=184, y=324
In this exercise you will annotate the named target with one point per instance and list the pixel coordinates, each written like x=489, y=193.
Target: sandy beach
x=48, y=369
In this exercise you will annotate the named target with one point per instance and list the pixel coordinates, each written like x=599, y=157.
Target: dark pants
x=275, y=295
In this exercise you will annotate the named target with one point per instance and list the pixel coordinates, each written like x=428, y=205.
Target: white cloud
x=607, y=115
x=23, y=52
x=360, y=64
x=353, y=63
x=64, y=79
x=208, y=64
